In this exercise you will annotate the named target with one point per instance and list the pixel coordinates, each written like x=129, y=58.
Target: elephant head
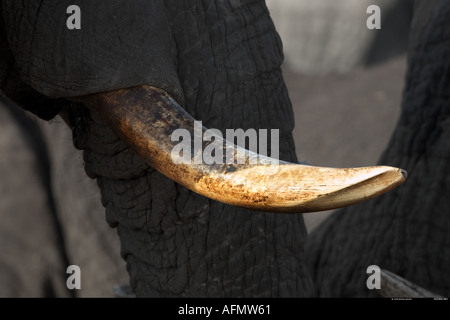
x=139, y=70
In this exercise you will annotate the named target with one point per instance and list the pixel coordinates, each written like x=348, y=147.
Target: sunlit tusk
x=394, y=286
x=145, y=117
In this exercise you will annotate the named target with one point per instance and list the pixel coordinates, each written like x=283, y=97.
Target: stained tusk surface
x=145, y=117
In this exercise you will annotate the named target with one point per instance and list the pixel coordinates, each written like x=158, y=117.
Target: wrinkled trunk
x=177, y=243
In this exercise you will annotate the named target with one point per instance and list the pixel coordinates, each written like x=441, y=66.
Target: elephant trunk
x=146, y=117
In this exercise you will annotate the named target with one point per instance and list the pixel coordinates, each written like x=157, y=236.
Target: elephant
x=169, y=219
x=405, y=231
x=220, y=61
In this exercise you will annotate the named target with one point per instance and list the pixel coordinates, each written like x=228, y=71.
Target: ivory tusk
x=144, y=117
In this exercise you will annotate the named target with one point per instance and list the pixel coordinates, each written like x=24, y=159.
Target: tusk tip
x=298, y=188
x=345, y=187
x=374, y=182
x=391, y=176
x=404, y=174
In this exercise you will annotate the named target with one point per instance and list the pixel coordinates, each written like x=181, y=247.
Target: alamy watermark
x=73, y=22
x=74, y=280
x=374, y=20
x=209, y=147
x=374, y=279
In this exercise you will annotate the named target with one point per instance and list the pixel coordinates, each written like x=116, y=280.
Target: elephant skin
x=90, y=243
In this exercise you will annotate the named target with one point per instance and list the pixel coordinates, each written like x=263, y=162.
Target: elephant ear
x=15, y=89
x=118, y=46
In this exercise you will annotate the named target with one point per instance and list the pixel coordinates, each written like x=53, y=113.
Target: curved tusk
x=145, y=117
x=394, y=286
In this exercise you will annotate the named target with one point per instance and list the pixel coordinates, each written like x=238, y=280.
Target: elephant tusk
x=394, y=286
x=145, y=117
